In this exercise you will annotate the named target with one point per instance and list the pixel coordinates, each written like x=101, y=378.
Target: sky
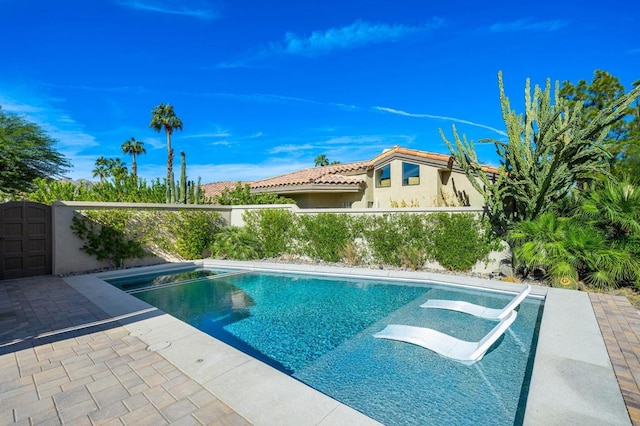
x=264, y=87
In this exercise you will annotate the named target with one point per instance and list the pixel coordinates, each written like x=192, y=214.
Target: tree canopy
x=322, y=160
x=623, y=138
x=133, y=148
x=26, y=153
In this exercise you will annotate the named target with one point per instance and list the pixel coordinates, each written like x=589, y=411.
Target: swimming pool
x=319, y=330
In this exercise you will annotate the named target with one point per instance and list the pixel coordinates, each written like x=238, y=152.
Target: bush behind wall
x=456, y=241
x=120, y=234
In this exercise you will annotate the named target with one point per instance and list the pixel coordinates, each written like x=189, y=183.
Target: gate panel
x=25, y=239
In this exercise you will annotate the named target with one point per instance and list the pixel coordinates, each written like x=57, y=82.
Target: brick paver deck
x=619, y=323
x=59, y=364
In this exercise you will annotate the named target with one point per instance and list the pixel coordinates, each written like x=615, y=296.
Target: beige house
x=398, y=177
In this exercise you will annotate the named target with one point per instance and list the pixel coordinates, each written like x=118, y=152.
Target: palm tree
x=102, y=169
x=322, y=160
x=133, y=147
x=570, y=249
x=615, y=208
x=163, y=117
x=117, y=169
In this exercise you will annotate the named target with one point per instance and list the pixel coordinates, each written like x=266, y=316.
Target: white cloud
x=290, y=148
x=528, y=25
x=216, y=134
x=439, y=117
x=351, y=140
x=56, y=122
x=10, y=105
x=360, y=33
x=172, y=7
x=155, y=143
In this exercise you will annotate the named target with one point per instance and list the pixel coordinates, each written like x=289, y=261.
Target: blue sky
x=263, y=87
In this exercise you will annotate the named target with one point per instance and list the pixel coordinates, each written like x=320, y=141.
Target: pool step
x=183, y=282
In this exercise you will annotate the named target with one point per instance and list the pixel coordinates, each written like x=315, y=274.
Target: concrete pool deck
x=77, y=350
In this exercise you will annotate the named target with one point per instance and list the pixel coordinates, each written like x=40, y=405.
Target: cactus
x=197, y=192
x=182, y=184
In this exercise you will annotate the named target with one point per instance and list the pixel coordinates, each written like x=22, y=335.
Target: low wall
x=68, y=256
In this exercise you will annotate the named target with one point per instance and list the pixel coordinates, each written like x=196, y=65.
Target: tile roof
x=423, y=154
x=412, y=152
x=340, y=174
x=215, y=188
x=348, y=174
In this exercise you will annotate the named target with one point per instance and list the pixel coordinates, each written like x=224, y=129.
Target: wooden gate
x=25, y=239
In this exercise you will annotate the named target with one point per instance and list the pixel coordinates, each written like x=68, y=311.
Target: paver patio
x=63, y=362
x=619, y=323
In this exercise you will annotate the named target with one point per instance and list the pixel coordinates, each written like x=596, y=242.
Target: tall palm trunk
x=170, y=194
x=134, y=166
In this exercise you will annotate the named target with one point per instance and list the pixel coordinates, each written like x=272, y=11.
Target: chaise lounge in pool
x=446, y=345
x=479, y=310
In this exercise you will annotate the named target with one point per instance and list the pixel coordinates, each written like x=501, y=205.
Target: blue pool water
x=320, y=331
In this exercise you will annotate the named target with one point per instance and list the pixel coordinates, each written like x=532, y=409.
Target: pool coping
x=572, y=380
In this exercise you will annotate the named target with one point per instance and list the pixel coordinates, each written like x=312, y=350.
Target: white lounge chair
x=478, y=310
x=444, y=344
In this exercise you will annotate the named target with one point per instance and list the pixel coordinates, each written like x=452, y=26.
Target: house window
x=383, y=176
x=410, y=174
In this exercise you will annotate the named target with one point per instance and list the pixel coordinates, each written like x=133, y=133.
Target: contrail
x=439, y=117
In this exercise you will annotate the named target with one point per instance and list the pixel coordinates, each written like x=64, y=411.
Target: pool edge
x=572, y=380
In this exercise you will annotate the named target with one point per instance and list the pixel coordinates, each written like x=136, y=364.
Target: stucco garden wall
x=68, y=256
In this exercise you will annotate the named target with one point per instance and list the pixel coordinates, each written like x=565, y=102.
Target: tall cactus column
x=183, y=178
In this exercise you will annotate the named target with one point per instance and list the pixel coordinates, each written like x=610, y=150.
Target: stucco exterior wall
x=456, y=185
x=328, y=200
x=434, y=183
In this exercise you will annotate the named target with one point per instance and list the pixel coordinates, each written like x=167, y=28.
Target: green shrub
x=412, y=257
x=395, y=238
x=129, y=189
x=108, y=235
x=236, y=243
x=570, y=250
x=461, y=240
x=383, y=236
x=241, y=195
x=193, y=231
x=275, y=229
x=325, y=235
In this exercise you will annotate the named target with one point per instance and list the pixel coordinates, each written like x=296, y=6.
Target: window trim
x=406, y=179
x=379, y=180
